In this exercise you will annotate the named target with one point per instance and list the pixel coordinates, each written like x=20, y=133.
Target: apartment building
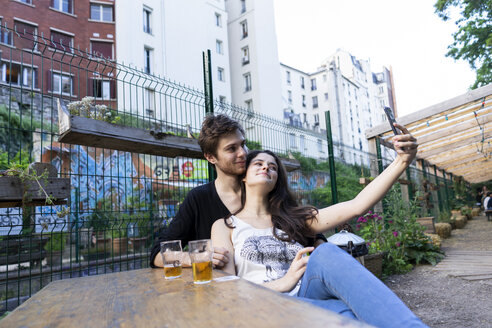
x=46, y=33
x=347, y=88
x=253, y=56
x=166, y=38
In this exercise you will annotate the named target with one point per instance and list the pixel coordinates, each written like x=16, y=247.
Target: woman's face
x=262, y=170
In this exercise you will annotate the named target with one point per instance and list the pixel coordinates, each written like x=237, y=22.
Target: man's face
x=231, y=154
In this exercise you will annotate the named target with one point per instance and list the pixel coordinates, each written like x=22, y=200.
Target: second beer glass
x=201, y=254
x=172, y=256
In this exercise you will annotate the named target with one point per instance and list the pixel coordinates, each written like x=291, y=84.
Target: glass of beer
x=201, y=254
x=172, y=257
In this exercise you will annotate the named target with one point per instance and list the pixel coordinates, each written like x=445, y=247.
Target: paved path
x=469, y=252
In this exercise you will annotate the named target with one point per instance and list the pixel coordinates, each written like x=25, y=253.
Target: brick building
x=59, y=47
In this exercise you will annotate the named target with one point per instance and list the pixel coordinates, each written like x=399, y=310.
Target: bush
x=398, y=235
x=57, y=242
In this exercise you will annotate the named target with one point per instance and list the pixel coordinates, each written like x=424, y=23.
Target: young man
x=223, y=144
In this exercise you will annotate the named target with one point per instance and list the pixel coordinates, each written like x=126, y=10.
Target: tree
x=473, y=40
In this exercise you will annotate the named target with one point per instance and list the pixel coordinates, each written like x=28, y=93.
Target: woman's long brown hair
x=287, y=214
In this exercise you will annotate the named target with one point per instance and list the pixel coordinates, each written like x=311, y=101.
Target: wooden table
x=143, y=298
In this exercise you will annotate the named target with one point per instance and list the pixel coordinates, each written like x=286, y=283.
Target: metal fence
x=117, y=201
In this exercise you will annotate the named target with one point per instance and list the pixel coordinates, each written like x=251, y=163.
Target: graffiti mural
x=97, y=174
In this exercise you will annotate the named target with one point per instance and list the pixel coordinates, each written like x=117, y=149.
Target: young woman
x=267, y=236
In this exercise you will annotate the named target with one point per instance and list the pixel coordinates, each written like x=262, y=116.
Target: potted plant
x=141, y=228
x=86, y=123
x=99, y=222
x=119, y=234
x=55, y=247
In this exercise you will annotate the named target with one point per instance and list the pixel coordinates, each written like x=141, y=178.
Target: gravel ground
x=443, y=301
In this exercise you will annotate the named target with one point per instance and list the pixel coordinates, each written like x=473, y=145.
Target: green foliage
x=347, y=184
x=444, y=216
x=57, y=242
x=253, y=145
x=398, y=235
x=21, y=160
x=473, y=39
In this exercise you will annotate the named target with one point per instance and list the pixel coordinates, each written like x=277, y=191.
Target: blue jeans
x=334, y=280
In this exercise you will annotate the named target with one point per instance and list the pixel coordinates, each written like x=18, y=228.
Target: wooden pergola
x=454, y=135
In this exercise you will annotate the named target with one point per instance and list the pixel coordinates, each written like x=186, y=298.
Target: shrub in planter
x=398, y=235
x=55, y=247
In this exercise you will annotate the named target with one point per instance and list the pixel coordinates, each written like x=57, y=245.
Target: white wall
x=264, y=67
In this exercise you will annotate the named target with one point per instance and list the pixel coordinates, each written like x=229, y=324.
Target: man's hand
x=221, y=257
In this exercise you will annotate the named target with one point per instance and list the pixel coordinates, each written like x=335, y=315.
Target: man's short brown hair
x=215, y=127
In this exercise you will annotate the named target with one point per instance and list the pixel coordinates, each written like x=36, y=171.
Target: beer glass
x=172, y=257
x=201, y=254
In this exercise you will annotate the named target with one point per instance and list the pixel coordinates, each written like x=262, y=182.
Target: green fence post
x=331, y=159
x=380, y=157
x=439, y=199
x=209, y=97
x=446, y=190
x=410, y=185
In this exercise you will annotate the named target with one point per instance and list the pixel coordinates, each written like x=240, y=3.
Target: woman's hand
x=296, y=270
x=405, y=145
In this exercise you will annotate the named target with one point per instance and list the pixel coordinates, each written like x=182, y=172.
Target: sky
x=406, y=35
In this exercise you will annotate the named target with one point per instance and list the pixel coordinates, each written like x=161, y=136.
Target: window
x=305, y=118
x=360, y=144
x=292, y=139
x=289, y=96
x=16, y=75
x=29, y=2
x=222, y=101
x=101, y=89
x=101, y=13
x=287, y=75
x=249, y=105
x=218, y=47
x=316, y=119
x=244, y=29
x=147, y=20
x=220, y=74
x=324, y=77
x=245, y=59
x=62, y=41
x=303, y=100
x=302, y=82
x=218, y=20
x=149, y=102
x=302, y=142
x=243, y=6
x=320, y=146
x=326, y=96
x=61, y=84
x=313, y=84
x=62, y=5
x=315, y=102
x=102, y=49
x=29, y=35
x=148, y=60
x=247, y=82
x=5, y=35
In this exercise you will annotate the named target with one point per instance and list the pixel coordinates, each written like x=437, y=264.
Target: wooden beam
x=454, y=145
x=455, y=137
x=424, y=114
x=465, y=125
x=451, y=155
x=475, y=166
x=460, y=160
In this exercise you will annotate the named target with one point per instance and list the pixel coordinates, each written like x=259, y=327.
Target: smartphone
x=391, y=119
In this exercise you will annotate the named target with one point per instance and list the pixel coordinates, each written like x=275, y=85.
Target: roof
x=455, y=135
